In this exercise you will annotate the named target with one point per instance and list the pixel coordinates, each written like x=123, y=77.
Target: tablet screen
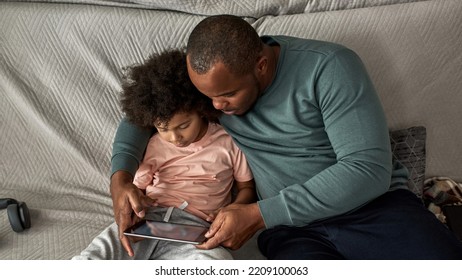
x=168, y=231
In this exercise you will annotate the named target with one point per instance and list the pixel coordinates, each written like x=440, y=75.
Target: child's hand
x=134, y=239
x=213, y=215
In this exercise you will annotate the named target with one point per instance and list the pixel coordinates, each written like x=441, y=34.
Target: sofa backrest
x=61, y=66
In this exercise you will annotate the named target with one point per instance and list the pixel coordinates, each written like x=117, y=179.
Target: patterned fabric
x=245, y=8
x=439, y=192
x=408, y=147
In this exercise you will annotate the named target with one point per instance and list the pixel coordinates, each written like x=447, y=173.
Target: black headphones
x=18, y=213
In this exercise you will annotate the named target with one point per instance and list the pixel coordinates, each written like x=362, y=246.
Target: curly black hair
x=159, y=88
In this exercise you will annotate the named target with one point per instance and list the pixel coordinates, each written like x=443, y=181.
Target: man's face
x=234, y=95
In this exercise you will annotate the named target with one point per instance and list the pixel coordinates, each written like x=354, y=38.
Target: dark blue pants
x=394, y=226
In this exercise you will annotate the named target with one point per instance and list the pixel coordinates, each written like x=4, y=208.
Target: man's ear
x=262, y=65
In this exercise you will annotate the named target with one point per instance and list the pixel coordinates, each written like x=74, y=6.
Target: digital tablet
x=168, y=231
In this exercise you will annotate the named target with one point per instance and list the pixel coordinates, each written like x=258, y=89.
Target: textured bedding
x=61, y=64
x=244, y=8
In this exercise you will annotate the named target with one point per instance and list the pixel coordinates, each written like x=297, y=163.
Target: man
x=311, y=125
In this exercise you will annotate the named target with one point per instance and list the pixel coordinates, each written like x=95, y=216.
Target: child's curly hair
x=159, y=88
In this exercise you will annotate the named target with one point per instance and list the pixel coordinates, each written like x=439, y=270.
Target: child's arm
x=245, y=192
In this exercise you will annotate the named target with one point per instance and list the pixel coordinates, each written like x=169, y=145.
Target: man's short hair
x=227, y=39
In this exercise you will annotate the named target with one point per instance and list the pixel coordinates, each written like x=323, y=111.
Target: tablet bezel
x=131, y=231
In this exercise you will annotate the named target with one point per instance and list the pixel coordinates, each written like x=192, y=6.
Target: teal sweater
x=316, y=140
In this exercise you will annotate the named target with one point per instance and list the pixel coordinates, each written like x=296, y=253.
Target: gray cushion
x=408, y=147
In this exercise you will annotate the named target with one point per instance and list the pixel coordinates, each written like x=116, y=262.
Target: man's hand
x=233, y=226
x=128, y=203
x=211, y=217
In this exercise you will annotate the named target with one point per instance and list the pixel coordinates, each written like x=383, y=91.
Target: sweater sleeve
x=357, y=130
x=129, y=146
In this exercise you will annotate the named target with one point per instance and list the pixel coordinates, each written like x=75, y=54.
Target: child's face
x=182, y=129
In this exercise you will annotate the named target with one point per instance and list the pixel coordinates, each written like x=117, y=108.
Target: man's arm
x=357, y=130
x=128, y=149
x=129, y=145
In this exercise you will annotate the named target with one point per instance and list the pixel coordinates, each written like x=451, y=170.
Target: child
x=190, y=165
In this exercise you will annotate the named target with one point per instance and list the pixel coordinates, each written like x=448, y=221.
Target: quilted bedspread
x=61, y=65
